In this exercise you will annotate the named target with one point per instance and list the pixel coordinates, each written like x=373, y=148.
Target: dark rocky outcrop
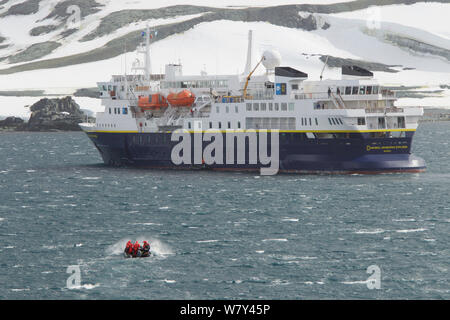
x=68, y=32
x=11, y=123
x=35, y=51
x=87, y=92
x=87, y=7
x=43, y=30
x=417, y=46
x=336, y=62
x=23, y=8
x=54, y=114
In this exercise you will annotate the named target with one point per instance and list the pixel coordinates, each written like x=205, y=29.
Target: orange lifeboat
x=154, y=101
x=184, y=98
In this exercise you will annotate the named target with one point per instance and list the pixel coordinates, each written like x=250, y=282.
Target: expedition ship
x=348, y=125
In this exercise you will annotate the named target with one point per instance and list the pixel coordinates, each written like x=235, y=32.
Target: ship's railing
x=384, y=110
x=388, y=94
x=137, y=77
x=230, y=99
x=254, y=94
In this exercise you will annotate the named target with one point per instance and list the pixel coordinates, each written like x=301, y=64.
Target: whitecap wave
x=206, y=241
x=374, y=231
x=411, y=230
x=87, y=286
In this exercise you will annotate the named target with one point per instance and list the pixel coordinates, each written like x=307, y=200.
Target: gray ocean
x=218, y=235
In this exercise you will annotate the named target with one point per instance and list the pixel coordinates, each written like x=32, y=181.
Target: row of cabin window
x=285, y=123
x=305, y=121
x=227, y=109
x=195, y=84
x=219, y=125
x=270, y=106
x=106, y=125
x=117, y=110
x=359, y=90
x=335, y=121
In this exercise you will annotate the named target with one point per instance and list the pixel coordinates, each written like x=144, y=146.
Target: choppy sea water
x=218, y=235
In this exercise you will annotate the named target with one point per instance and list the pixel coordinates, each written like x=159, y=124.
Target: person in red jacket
x=129, y=247
x=136, y=249
x=145, y=249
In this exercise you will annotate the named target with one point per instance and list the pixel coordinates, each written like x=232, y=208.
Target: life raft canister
x=184, y=98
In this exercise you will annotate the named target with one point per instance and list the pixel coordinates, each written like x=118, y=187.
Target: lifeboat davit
x=184, y=98
x=152, y=102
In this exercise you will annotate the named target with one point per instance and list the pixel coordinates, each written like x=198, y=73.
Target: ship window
x=104, y=88
x=362, y=90
x=239, y=124
x=317, y=122
x=381, y=123
x=401, y=122
x=355, y=90
x=229, y=125
x=375, y=90
x=283, y=106
x=310, y=122
x=210, y=125
x=189, y=125
x=361, y=121
x=277, y=107
x=217, y=109
x=249, y=107
x=236, y=109
x=227, y=109
x=263, y=106
x=329, y=120
x=125, y=111
x=295, y=87
x=334, y=121
x=255, y=106
x=291, y=106
x=348, y=90
x=220, y=125
x=302, y=122
x=340, y=121
x=369, y=90
x=109, y=110
x=270, y=106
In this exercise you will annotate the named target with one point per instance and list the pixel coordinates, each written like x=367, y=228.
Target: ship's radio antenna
x=147, y=55
x=326, y=61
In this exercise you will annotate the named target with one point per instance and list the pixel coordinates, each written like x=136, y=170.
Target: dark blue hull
x=346, y=153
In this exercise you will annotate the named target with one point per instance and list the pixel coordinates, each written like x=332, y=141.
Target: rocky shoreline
x=49, y=115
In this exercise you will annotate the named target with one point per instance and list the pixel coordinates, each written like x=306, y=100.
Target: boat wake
x=158, y=248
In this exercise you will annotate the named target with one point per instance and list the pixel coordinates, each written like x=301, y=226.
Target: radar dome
x=272, y=59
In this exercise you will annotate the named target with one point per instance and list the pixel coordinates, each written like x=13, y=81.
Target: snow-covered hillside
x=39, y=50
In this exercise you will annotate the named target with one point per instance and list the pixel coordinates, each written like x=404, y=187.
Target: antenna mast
x=248, y=65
